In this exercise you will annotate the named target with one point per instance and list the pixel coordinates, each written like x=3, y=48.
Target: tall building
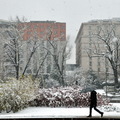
x=88, y=43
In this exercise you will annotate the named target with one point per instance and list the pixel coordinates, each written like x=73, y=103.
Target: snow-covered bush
x=16, y=94
x=75, y=77
x=69, y=78
x=110, y=108
x=83, y=78
x=79, y=77
x=64, y=97
x=92, y=79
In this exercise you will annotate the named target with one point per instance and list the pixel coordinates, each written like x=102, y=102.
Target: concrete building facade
x=87, y=44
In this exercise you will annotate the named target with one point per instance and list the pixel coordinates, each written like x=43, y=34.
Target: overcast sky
x=73, y=12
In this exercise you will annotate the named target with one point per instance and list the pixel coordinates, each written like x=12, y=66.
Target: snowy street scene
x=60, y=59
x=39, y=112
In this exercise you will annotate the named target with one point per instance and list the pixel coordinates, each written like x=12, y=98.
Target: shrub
x=64, y=97
x=16, y=94
x=110, y=108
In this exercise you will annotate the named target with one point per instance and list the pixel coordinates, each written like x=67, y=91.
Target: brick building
x=41, y=32
x=42, y=28
x=44, y=31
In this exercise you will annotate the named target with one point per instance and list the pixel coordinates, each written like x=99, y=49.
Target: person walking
x=93, y=103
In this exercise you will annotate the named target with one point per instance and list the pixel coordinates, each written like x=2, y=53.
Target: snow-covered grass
x=111, y=110
x=63, y=97
x=46, y=112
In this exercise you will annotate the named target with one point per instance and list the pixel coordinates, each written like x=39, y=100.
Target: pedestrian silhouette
x=93, y=103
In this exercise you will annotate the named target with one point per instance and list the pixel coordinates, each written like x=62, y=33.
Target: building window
x=48, y=27
x=41, y=26
x=99, y=63
x=28, y=32
x=41, y=32
x=98, y=69
x=62, y=27
x=35, y=26
x=55, y=27
x=89, y=27
x=55, y=33
x=107, y=69
x=61, y=33
x=90, y=63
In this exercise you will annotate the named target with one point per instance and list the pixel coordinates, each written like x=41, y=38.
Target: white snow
x=114, y=39
x=60, y=112
x=45, y=112
x=100, y=91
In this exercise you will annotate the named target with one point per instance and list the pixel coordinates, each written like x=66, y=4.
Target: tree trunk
x=115, y=77
x=62, y=81
x=17, y=72
x=28, y=63
x=115, y=72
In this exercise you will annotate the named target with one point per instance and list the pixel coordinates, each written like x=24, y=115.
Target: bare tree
x=60, y=53
x=32, y=50
x=110, y=40
x=13, y=52
x=12, y=47
x=15, y=49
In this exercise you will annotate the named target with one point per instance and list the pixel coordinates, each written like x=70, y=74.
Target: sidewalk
x=44, y=112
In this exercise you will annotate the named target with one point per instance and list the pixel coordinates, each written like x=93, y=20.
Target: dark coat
x=93, y=99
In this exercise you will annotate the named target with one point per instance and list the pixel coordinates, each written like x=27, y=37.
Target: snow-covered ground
x=47, y=112
x=44, y=112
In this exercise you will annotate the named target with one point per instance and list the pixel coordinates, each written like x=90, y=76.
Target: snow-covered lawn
x=61, y=112
x=45, y=112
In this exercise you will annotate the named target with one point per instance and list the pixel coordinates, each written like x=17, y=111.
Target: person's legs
x=90, y=114
x=98, y=111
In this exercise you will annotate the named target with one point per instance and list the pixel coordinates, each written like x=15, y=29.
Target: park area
x=46, y=112
x=57, y=102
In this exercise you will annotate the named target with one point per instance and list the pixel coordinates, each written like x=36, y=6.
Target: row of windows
x=49, y=26
x=42, y=32
x=105, y=26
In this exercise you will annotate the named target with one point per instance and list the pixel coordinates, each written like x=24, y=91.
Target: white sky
x=73, y=12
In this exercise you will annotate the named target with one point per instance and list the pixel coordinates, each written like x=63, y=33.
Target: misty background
x=72, y=12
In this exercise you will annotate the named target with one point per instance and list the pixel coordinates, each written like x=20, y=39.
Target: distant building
x=85, y=46
x=71, y=67
x=44, y=31
x=39, y=31
x=42, y=28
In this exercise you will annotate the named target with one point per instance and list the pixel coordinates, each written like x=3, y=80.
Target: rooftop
x=105, y=20
x=43, y=21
